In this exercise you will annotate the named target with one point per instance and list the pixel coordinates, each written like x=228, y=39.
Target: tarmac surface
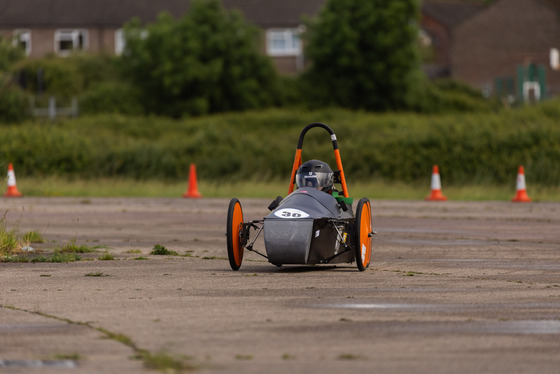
x=453, y=287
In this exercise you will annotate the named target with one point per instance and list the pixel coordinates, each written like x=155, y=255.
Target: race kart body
x=308, y=227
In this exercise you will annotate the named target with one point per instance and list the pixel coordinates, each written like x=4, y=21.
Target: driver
x=316, y=174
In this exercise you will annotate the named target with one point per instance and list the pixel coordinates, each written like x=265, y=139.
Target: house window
x=283, y=42
x=22, y=38
x=425, y=38
x=66, y=41
x=119, y=42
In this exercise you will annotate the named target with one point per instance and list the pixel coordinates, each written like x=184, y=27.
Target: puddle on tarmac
x=539, y=327
x=438, y=307
x=441, y=242
x=500, y=264
x=525, y=327
x=37, y=364
x=359, y=306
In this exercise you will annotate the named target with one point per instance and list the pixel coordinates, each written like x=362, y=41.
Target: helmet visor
x=314, y=180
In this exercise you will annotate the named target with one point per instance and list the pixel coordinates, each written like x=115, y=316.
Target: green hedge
x=66, y=77
x=469, y=148
x=111, y=97
x=14, y=104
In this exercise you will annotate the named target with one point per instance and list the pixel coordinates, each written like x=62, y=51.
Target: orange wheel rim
x=365, y=230
x=237, y=228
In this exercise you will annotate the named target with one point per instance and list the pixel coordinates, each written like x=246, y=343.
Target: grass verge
x=53, y=186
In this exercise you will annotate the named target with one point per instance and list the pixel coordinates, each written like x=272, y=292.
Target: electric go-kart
x=309, y=226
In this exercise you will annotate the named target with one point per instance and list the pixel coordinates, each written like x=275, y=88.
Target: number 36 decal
x=290, y=213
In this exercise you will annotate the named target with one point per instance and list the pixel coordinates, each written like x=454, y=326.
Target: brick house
x=481, y=45
x=438, y=18
x=509, y=42
x=62, y=26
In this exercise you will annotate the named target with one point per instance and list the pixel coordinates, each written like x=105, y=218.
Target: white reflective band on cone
x=436, y=182
x=11, y=178
x=521, y=182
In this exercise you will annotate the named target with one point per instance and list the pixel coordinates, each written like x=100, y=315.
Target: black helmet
x=316, y=174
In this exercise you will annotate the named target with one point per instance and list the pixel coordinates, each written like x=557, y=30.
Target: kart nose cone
x=287, y=241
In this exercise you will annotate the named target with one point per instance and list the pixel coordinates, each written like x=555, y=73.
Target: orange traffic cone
x=436, y=194
x=12, y=188
x=521, y=196
x=192, y=192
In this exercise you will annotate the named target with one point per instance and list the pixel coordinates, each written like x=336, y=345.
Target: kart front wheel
x=234, y=234
x=363, y=234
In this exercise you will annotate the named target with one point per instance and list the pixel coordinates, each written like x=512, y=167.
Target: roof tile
x=84, y=13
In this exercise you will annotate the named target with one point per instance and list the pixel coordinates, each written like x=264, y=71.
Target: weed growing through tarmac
x=58, y=257
x=215, y=258
x=349, y=356
x=160, y=361
x=55, y=257
x=33, y=237
x=160, y=250
x=70, y=356
x=72, y=247
x=13, y=249
x=410, y=273
x=244, y=357
x=9, y=242
x=106, y=256
x=140, y=258
x=166, y=363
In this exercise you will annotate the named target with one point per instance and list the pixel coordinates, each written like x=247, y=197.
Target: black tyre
x=363, y=234
x=234, y=234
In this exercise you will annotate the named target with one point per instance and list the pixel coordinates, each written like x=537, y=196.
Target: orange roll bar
x=298, y=162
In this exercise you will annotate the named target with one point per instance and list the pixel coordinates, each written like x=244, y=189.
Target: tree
x=206, y=62
x=14, y=106
x=364, y=54
x=9, y=54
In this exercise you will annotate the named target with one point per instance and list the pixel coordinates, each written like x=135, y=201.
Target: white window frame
x=425, y=38
x=22, y=37
x=120, y=43
x=73, y=36
x=283, y=42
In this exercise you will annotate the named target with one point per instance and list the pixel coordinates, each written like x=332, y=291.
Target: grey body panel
x=287, y=241
x=301, y=230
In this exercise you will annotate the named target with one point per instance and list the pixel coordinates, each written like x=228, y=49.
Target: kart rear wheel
x=234, y=234
x=363, y=234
